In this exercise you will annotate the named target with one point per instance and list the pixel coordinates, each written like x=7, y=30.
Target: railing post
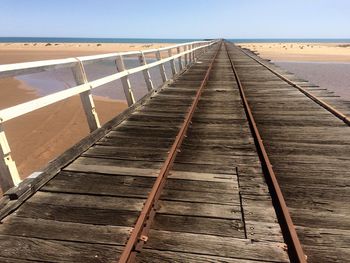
x=190, y=54
x=194, y=53
x=9, y=176
x=145, y=72
x=180, y=59
x=200, y=51
x=86, y=97
x=125, y=81
x=161, y=67
x=172, y=63
x=186, y=60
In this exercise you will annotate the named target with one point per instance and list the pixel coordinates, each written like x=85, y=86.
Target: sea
x=164, y=40
x=331, y=75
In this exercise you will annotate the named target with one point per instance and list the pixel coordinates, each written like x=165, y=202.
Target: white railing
x=186, y=53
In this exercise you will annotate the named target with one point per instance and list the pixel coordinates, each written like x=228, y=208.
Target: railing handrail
x=24, y=108
x=16, y=69
x=8, y=170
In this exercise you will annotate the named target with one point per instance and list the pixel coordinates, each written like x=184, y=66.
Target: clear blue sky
x=176, y=19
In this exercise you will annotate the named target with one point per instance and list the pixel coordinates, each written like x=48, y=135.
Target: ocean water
x=92, y=40
x=164, y=40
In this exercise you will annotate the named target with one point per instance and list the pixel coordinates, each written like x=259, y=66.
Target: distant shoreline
x=308, y=52
x=165, y=40
x=92, y=40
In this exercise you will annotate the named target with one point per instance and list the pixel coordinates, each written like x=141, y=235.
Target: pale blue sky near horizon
x=175, y=19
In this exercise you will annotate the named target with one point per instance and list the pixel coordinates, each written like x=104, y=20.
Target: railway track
x=178, y=180
x=140, y=234
x=182, y=177
x=306, y=138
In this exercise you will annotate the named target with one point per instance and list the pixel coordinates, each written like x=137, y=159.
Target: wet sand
x=42, y=135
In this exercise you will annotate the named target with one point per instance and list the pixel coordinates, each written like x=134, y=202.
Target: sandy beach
x=42, y=135
x=316, y=52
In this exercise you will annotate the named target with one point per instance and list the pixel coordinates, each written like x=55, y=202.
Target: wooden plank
x=128, y=186
x=89, y=201
x=320, y=218
x=209, y=183
x=199, y=209
x=114, y=166
x=258, y=230
x=99, y=184
x=36, y=249
x=117, y=153
x=199, y=225
x=158, y=256
x=327, y=237
x=217, y=246
x=13, y=260
x=180, y=171
x=82, y=215
x=65, y=231
x=326, y=254
x=200, y=197
x=258, y=210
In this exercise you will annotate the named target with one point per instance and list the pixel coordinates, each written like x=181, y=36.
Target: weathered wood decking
x=310, y=151
x=216, y=205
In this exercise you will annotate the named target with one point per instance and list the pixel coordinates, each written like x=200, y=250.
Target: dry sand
x=325, y=52
x=42, y=135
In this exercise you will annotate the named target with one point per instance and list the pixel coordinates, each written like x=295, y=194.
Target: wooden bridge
x=231, y=160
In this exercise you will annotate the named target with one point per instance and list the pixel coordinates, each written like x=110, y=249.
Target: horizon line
x=177, y=38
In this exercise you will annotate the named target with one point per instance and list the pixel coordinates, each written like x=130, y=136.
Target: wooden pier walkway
x=215, y=201
x=310, y=152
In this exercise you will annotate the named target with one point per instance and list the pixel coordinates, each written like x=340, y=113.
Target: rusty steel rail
x=295, y=249
x=140, y=231
x=322, y=103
